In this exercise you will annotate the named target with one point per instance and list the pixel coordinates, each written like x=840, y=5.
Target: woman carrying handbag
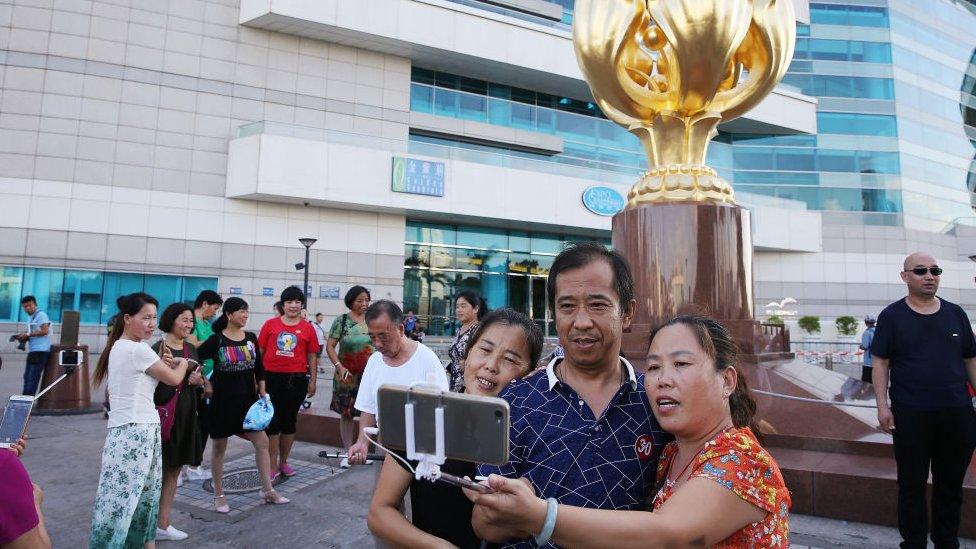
x=177, y=406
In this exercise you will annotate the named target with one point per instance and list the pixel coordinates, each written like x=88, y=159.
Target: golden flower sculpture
x=670, y=70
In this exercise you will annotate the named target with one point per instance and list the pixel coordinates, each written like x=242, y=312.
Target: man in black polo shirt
x=926, y=344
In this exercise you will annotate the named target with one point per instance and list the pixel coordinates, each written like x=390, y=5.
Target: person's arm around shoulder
x=385, y=519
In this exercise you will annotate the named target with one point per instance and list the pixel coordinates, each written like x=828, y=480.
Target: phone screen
x=14, y=418
x=70, y=357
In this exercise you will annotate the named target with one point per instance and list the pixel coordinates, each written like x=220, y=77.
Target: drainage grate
x=240, y=481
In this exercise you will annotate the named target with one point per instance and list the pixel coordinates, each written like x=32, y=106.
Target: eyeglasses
x=920, y=271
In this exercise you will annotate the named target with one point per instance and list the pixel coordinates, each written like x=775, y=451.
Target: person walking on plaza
x=288, y=348
x=866, y=338
x=184, y=445
x=127, y=500
x=398, y=360
x=349, y=348
x=205, y=308
x=469, y=310
x=506, y=346
x=924, y=346
x=37, y=337
x=237, y=382
x=320, y=334
x=591, y=398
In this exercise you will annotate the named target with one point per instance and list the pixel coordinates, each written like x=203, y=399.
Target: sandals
x=221, y=508
x=273, y=498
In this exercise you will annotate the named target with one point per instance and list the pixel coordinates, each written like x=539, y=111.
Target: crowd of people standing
x=592, y=438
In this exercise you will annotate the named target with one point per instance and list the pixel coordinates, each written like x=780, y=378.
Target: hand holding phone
x=15, y=418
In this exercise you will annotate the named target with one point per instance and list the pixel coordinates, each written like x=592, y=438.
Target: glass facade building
x=92, y=293
x=508, y=268
x=886, y=92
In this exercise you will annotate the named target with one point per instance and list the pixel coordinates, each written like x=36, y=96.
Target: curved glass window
x=857, y=124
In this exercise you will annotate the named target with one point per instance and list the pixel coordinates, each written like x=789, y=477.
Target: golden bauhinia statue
x=670, y=70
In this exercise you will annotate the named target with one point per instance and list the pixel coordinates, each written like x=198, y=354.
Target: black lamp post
x=307, y=242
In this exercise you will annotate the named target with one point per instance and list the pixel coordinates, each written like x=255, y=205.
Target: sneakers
x=198, y=473
x=286, y=470
x=170, y=534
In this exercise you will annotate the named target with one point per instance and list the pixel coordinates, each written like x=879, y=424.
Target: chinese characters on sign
x=328, y=292
x=414, y=176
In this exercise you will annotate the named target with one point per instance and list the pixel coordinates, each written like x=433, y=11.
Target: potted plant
x=846, y=327
x=810, y=326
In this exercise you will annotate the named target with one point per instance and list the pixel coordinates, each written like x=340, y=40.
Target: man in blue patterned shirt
x=583, y=431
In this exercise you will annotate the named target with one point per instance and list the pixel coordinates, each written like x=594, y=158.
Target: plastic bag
x=259, y=415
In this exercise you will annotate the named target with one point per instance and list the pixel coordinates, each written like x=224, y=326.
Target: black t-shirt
x=441, y=509
x=926, y=355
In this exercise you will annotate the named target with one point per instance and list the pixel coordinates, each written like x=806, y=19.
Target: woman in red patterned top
x=717, y=486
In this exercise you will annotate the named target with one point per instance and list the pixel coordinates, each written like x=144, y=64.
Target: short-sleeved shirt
x=18, y=515
x=202, y=330
x=866, y=339
x=34, y=323
x=570, y=454
x=284, y=348
x=130, y=388
x=926, y=354
x=422, y=367
x=354, y=346
x=736, y=460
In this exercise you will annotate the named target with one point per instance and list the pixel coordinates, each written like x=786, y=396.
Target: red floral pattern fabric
x=737, y=461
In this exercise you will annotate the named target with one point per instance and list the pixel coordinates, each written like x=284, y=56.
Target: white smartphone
x=15, y=418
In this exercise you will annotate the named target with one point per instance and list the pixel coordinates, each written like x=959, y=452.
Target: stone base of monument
x=73, y=394
x=694, y=258
x=836, y=462
x=320, y=427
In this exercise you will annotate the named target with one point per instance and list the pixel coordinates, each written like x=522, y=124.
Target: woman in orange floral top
x=717, y=486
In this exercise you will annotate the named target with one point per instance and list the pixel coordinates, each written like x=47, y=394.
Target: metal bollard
x=829, y=362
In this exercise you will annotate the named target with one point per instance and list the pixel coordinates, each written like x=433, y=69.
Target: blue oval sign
x=603, y=200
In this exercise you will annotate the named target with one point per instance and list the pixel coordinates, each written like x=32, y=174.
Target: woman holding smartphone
x=185, y=445
x=127, y=501
x=237, y=381
x=349, y=347
x=505, y=347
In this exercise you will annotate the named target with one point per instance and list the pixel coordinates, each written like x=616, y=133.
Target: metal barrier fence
x=828, y=353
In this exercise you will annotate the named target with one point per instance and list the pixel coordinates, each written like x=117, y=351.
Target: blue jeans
x=36, y=362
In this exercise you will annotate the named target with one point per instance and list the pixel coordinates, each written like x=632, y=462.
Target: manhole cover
x=240, y=481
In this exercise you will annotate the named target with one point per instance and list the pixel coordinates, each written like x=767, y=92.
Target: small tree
x=846, y=325
x=775, y=319
x=810, y=324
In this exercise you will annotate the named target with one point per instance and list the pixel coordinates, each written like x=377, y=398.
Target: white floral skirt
x=127, y=501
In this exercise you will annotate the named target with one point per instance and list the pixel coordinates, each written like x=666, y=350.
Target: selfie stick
x=429, y=465
x=68, y=370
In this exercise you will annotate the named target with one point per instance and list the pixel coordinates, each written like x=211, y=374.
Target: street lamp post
x=307, y=242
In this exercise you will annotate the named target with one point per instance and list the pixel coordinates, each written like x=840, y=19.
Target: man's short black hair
x=384, y=307
x=28, y=299
x=581, y=254
x=209, y=297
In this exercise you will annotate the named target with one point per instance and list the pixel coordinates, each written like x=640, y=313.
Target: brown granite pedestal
x=693, y=258
x=73, y=394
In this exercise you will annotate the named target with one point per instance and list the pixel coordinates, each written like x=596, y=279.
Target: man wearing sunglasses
x=927, y=346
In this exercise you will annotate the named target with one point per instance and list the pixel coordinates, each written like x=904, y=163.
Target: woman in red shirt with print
x=288, y=350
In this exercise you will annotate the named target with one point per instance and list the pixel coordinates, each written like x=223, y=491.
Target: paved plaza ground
x=328, y=506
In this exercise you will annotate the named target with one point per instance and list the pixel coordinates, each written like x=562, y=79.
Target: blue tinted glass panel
x=193, y=285
x=83, y=292
x=166, y=289
x=833, y=50
x=867, y=16
x=45, y=285
x=837, y=161
x=856, y=124
x=799, y=160
x=11, y=279
x=479, y=237
x=754, y=158
x=828, y=14
x=421, y=98
x=116, y=286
